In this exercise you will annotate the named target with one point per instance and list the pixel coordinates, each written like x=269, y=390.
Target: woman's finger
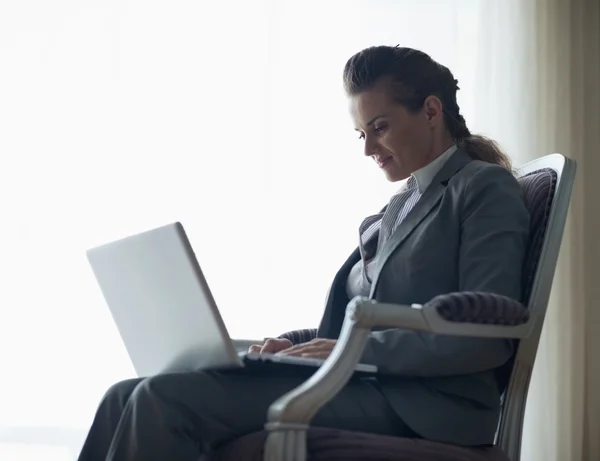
x=272, y=346
x=308, y=349
x=292, y=350
x=255, y=348
x=302, y=346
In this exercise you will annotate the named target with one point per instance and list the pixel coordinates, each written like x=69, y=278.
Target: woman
x=458, y=223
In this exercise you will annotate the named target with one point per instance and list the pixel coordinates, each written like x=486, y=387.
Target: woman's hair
x=414, y=76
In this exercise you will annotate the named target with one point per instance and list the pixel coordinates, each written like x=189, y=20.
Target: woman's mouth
x=382, y=162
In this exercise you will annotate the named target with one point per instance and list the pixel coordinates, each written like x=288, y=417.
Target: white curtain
x=117, y=116
x=539, y=67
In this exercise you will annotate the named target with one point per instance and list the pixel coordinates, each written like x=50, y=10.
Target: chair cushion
x=538, y=190
x=338, y=445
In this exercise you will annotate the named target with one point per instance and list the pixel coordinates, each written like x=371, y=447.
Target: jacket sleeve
x=494, y=236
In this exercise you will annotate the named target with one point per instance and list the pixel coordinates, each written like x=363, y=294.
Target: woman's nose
x=369, y=148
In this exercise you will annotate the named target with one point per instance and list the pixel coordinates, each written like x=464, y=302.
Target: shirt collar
x=425, y=175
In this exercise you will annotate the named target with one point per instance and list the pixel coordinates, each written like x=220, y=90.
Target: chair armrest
x=486, y=315
x=289, y=415
x=461, y=314
x=300, y=336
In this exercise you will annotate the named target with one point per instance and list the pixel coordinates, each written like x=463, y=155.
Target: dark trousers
x=181, y=416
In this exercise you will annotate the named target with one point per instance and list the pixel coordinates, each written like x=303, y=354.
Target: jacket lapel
x=430, y=198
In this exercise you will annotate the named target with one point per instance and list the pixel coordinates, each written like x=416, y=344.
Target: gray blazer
x=468, y=232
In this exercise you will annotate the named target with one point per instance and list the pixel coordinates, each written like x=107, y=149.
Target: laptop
x=165, y=312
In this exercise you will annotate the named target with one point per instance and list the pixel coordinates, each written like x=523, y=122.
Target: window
x=121, y=116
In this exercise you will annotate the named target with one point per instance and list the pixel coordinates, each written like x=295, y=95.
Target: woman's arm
x=494, y=237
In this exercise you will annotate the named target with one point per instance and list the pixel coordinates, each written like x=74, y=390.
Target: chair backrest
x=547, y=185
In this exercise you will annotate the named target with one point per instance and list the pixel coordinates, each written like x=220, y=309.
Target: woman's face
x=400, y=142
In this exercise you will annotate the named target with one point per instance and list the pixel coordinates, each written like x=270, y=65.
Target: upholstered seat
x=336, y=445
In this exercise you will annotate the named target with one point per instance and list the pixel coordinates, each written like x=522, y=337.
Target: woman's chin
x=394, y=175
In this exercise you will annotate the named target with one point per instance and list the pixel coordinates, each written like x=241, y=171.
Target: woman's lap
x=215, y=407
x=225, y=404
x=223, y=394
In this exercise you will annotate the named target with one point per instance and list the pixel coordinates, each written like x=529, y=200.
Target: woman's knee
x=175, y=387
x=168, y=383
x=121, y=391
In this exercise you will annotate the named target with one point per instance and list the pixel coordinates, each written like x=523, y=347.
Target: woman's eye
x=376, y=129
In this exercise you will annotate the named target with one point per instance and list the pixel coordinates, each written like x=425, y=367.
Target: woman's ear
x=433, y=109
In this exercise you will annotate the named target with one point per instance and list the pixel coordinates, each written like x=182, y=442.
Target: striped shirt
x=384, y=224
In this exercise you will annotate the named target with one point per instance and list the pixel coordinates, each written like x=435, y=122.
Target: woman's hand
x=318, y=348
x=271, y=346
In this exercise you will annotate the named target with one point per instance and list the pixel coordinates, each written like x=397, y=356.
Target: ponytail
x=476, y=146
x=484, y=149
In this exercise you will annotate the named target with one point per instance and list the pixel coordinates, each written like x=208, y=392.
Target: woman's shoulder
x=477, y=173
x=490, y=191
x=481, y=182
x=486, y=168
